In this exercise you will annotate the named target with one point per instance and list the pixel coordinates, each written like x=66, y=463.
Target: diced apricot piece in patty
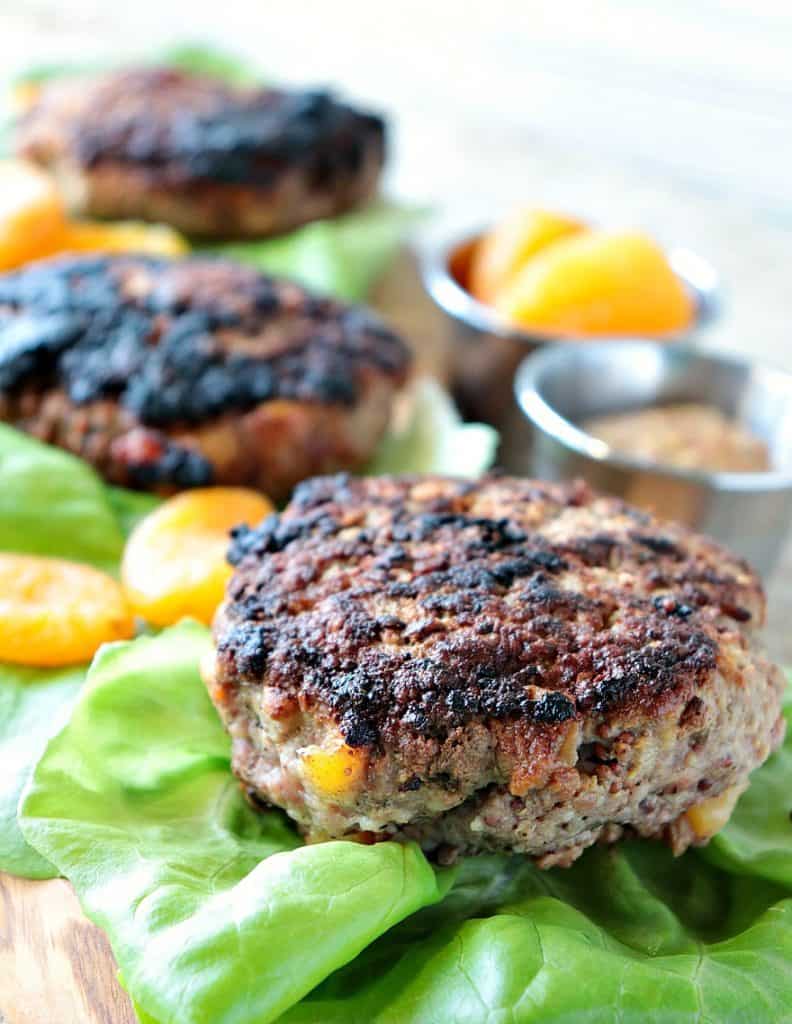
x=54, y=612
x=174, y=563
x=335, y=772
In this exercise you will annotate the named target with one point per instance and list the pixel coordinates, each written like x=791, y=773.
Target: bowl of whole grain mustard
x=703, y=438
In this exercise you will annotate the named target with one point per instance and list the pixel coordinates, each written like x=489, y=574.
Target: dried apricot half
x=34, y=223
x=600, y=282
x=174, y=562
x=123, y=236
x=505, y=250
x=32, y=217
x=54, y=612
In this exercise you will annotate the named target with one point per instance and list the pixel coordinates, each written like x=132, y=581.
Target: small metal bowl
x=484, y=351
x=561, y=387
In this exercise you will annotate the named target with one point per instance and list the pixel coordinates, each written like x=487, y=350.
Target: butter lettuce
x=55, y=505
x=627, y=934
x=34, y=705
x=215, y=912
x=192, y=57
x=201, y=59
x=427, y=435
x=130, y=506
x=218, y=913
x=343, y=257
x=52, y=503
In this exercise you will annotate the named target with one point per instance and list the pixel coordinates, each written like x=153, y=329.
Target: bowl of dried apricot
x=542, y=277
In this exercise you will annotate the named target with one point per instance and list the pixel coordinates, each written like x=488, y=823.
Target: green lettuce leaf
x=52, y=503
x=130, y=506
x=218, y=913
x=34, y=705
x=433, y=438
x=214, y=912
x=202, y=59
x=627, y=934
x=198, y=58
x=341, y=257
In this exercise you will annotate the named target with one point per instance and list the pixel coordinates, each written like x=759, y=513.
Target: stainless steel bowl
x=484, y=351
x=563, y=386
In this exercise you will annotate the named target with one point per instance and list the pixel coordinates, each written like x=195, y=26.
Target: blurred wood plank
x=55, y=966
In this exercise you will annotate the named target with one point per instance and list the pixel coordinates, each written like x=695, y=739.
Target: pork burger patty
x=209, y=158
x=171, y=374
x=498, y=665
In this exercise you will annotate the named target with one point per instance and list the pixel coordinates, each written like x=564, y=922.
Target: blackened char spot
x=491, y=534
x=595, y=550
x=152, y=458
x=657, y=669
x=221, y=134
x=249, y=645
x=184, y=342
x=31, y=344
x=552, y=709
x=658, y=544
x=668, y=604
x=276, y=534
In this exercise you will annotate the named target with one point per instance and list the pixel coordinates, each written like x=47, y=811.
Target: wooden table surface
x=55, y=966
x=674, y=118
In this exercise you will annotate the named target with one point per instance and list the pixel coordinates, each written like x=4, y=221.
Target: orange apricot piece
x=32, y=217
x=123, y=236
x=34, y=224
x=54, y=612
x=174, y=563
x=501, y=253
x=23, y=94
x=598, y=283
x=335, y=773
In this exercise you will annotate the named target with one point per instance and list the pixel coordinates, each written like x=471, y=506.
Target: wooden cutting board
x=55, y=966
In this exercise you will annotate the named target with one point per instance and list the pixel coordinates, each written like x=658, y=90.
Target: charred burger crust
x=169, y=374
x=402, y=608
x=208, y=158
x=491, y=665
x=182, y=342
x=185, y=129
